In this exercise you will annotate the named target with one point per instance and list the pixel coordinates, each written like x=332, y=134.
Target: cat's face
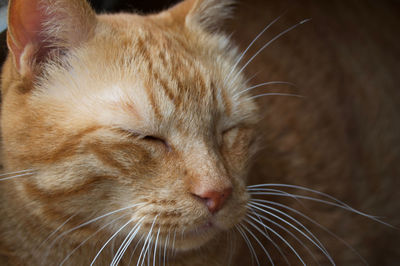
x=145, y=112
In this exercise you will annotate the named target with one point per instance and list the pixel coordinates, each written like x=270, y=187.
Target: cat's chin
x=201, y=235
x=193, y=242
x=197, y=237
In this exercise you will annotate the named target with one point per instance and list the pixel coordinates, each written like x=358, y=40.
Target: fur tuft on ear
x=36, y=27
x=208, y=14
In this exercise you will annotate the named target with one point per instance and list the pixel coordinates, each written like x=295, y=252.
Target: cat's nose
x=214, y=199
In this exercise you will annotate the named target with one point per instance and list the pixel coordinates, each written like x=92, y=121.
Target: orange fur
x=112, y=111
x=84, y=106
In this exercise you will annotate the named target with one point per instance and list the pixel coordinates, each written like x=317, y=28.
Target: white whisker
x=173, y=244
x=55, y=231
x=155, y=247
x=267, y=44
x=134, y=250
x=131, y=235
x=261, y=85
x=250, y=78
x=248, y=243
x=142, y=252
x=302, y=188
x=112, y=247
x=292, y=219
x=315, y=223
x=119, y=251
x=17, y=172
x=256, y=190
x=324, y=195
x=276, y=94
x=261, y=245
x=250, y=45
x=89, y=237
x=259, y=218
x=298, y=230
x=345, y=207
x=15, y=176
x=84, y=224
x=165, y=246
x=131, y=239
x=268, y=193
x=113, y=237
x=266, y=235
x=282, y=238
x=148, y=251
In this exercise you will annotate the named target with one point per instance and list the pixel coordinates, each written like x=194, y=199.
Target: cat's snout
x=214, y=199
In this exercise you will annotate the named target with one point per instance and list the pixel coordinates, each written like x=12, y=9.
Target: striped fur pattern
x=121, y=112
x=126, y=139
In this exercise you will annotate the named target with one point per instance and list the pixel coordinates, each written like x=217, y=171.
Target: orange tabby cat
x=127, y=139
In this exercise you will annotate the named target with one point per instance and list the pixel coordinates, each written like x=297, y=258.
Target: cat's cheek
x=235, y=209
x=236, y=160
x=237, y=148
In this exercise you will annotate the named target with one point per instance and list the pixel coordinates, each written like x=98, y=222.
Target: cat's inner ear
x=36, y=27
x=208, y=14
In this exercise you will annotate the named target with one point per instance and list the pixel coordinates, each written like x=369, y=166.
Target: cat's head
x=142, y=114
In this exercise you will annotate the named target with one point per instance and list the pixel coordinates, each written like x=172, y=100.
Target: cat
x=128, y=139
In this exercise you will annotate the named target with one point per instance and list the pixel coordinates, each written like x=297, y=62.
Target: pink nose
x=213, y=199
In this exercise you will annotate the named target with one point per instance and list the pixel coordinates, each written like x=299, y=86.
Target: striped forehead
x=149, y=82
x=178, y=83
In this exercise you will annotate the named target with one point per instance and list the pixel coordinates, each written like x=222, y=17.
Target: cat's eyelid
x=232, y=127
x=131, y=132
x=229, y=129
x=142, y=136
x=153, y=138
x=239, y=126
x=146, y=137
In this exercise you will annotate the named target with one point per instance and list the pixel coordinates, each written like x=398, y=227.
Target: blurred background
x=131, y=5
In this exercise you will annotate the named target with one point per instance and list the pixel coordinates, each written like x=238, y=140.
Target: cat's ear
x=38, y=27
x=208, y=14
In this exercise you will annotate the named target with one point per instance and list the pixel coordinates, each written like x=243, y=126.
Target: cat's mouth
x=201, y=230
x=197, y=236
x=210, y=228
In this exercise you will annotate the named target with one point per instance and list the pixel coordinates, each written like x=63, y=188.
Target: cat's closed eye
x=156, y=140
x=150, y=139
x=129, y=138
x=237, y=134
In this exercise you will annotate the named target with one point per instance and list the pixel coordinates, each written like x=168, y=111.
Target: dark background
x=145, y=6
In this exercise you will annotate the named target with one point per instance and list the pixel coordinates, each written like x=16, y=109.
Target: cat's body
x=146, y=112
x=343, y=137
